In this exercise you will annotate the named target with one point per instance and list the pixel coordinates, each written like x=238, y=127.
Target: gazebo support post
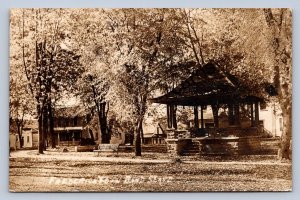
x=256, y=114
x=215, y=110
x=251, y=110
x=202, y=121
x=174, y=122
x=168, y=116
x=196, y=117
x=230, y=114
x=171, y=116
x=237, y=114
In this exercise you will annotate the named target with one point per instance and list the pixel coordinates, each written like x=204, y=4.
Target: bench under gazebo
x=211, y=86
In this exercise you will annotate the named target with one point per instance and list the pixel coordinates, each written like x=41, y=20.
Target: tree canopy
x=126, y=56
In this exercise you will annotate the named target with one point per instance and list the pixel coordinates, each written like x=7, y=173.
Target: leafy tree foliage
x=123, y=57
x=48, y=64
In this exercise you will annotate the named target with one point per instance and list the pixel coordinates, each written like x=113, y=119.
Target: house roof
x=72, y=111
x=207, y=85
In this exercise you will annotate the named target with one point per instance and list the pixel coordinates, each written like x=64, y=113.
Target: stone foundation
x=214, y=146
x=230, y=145
x=219, y=142
x=249, y=145
x=177, y=146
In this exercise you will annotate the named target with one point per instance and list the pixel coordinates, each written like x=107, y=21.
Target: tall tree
x=141, y=43
x=48, y=63
x=280, y=25
x=93, y=89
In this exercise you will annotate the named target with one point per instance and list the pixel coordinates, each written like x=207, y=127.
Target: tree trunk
x=19, y=123
x=51, y=125
x=285, y=148
x=137, y=143
x=141, y=108
x=281, y=44
x=137, y=138
x=91, y=134
x=102, y=116
x=45, y=126
x=142, y=135
x=102, y=119
x=105, y=137
x=20, y=136
x=40, y=121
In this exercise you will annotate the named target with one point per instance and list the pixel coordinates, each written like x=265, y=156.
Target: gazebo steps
x=192, y=149
x=270, y=146
x=156, y=148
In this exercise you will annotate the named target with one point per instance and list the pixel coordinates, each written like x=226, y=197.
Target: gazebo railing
x=214, y=132
x=234, y=131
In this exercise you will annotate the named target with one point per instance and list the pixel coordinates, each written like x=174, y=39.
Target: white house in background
x=272, y=119
x=29, y=135
x=30, y=138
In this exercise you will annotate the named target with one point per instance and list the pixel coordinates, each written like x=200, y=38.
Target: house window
x=65, y=122
x=75, y=121
x=59, y=121
x=27, y=139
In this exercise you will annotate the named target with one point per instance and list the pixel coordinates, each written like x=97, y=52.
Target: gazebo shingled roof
x=209, y=84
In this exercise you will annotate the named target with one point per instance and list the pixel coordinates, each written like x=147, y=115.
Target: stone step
x=161, y=148
x=190, y=154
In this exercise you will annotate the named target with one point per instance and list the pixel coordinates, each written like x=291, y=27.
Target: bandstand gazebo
x=211, y=86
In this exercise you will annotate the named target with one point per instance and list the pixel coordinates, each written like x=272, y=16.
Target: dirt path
x=123, y=158
x=72, y=171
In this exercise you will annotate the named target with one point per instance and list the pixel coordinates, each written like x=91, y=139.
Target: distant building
x=29, y=135
x=154, y=136
x=71, y=124
x=272, y=120
x=30, y=138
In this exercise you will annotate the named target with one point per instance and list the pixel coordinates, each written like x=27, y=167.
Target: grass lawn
x=55, y=171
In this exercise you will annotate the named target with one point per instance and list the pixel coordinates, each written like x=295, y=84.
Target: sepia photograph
x=150, y=100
